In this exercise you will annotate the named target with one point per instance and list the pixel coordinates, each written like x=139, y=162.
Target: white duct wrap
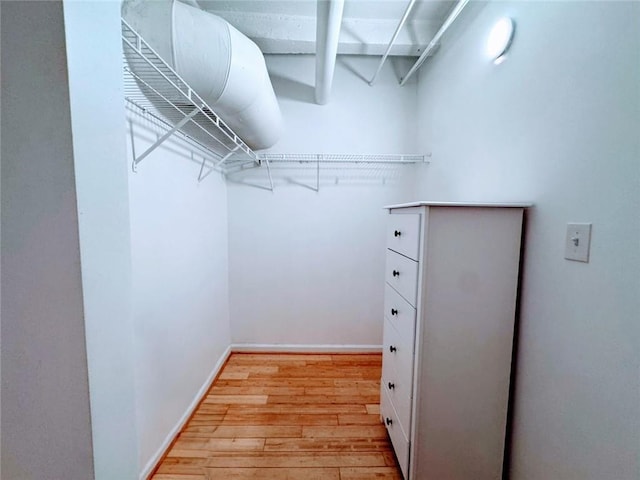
x=222, y=65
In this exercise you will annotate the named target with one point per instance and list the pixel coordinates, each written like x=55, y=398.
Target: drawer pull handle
x=392, y=348
x=397, y=233
x=394, y=311
x=396, y=273
x=389, y=421
x=392, y=386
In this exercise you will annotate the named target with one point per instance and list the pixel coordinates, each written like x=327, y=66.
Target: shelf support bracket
x=269, y=173
x=224, y=159
x=159, y=142
x=217, y=164
x=204, y=161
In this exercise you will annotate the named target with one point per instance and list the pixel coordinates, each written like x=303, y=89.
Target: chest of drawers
x=449, y=310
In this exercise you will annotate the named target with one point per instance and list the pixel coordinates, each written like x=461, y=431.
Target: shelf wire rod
x=150, y=63
x=318, y=174
x=159, y=142
x=393, y=40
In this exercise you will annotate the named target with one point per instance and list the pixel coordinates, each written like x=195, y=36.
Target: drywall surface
x=307, y=267
x=46, y=424
x=180, y=281
x=556, y=123
x=97, y=114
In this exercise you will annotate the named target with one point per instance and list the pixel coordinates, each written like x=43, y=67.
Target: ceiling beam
x=287, y=34
x=329, y=20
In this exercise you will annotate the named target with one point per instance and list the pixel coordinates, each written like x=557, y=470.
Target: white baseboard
x=296, y=348
x=151, y=464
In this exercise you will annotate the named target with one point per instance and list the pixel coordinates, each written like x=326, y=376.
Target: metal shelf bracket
x=161, y=140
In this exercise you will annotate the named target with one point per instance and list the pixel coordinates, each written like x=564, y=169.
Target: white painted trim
x=461, y=204
x=151, y=464
x=295, y=348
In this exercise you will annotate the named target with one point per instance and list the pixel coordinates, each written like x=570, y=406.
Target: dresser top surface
x=459, y=204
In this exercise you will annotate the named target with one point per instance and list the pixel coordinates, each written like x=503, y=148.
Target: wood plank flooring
x=287, y=417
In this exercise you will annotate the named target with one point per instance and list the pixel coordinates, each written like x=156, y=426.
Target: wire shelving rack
x=154, y=89
x=152, y=86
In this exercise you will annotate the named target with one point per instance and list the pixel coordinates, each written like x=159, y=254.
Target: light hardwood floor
x=287, y=417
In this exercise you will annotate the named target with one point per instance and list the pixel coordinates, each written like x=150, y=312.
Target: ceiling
x=289, y=26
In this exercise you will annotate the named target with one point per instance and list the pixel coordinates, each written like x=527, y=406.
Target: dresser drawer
x=398, y=387
x=397, y=353
x=402, y=274
x=397, y=436
x=400, y=312
x=403, y=234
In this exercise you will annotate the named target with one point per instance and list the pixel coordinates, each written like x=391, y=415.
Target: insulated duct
x=222, y=65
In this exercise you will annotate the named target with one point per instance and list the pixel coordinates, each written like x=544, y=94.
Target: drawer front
x=397, y=354
x=401, y=313
x=398, y=387
x=402, y=275
x=397, y=436
x=403, y=234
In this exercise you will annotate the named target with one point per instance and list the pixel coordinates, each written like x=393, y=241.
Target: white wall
x=94, y=54
x=152, y=253
x=306, y=266
x=180, y=282
x=557, y=124
x=45, y=391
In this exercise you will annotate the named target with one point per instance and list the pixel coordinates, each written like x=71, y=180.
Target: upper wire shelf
x=158, y=91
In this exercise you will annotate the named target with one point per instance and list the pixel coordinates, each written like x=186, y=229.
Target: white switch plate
x=577, y=242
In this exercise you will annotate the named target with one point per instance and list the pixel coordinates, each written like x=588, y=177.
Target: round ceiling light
x=499, y=39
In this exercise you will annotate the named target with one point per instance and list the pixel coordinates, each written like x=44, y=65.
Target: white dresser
x=449, y=310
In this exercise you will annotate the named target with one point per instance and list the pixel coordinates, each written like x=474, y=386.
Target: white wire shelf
x=311, y=170
x=158, y=91
x=153, y=88
x=342, y=158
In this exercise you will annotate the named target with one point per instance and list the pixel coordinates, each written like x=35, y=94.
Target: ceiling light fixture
x=500, y=39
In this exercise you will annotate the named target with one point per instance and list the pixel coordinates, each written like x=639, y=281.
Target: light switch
x=577, y=242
